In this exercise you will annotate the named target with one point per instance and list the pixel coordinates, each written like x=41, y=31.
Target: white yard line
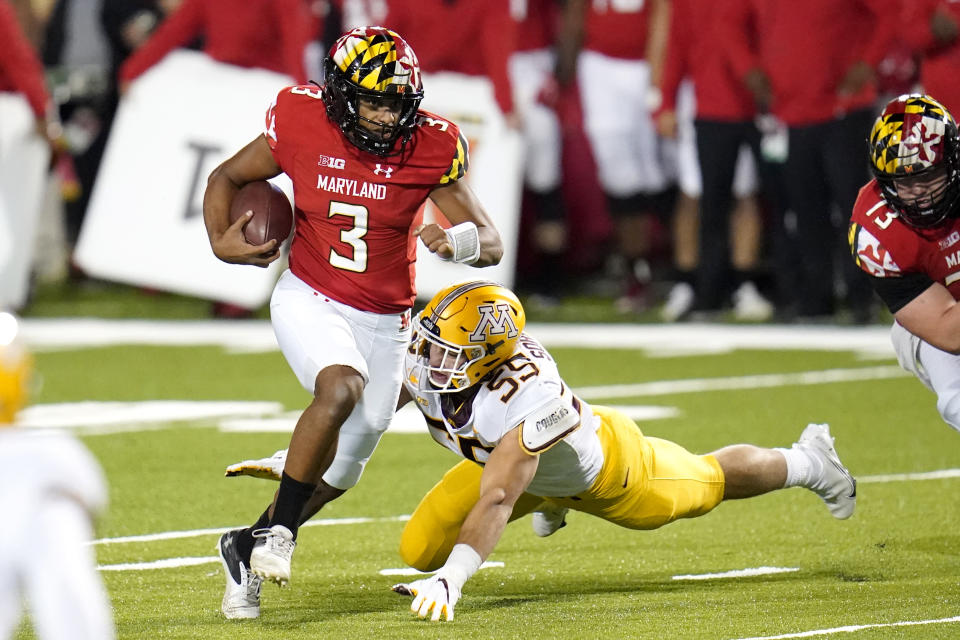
x=909, y=477
x=257, y=335
x=737, y=573
x=326, y=522
x=96, y=418
x=856, y=627
x=410, y=571
x=173, y=535
x=167, y=563
x=696, y=385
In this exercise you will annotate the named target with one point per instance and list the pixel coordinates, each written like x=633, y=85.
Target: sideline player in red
x=905, y=233
x=363, y=160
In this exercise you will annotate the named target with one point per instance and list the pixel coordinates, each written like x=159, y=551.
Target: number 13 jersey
x=903, y=261
x=354, y=211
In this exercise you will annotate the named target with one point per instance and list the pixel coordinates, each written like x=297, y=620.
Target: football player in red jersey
x=905, y=233
x=363, y=160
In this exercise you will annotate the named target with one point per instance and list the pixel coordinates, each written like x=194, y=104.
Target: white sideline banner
x=178, y=121
x=495, y=174
x=24, y=157
x=144, y=225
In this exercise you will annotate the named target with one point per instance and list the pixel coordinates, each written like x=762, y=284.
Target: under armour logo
x=386, y=171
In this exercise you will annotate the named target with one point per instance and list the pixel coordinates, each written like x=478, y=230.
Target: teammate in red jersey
x=905, y=233
x=363, y=161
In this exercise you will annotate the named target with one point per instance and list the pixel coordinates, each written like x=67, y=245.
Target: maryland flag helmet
x=375, y=64
x=915, y=138
x=466, y=331
x=16, y=368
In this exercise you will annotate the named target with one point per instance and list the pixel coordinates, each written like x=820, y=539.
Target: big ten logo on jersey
x=495, y=320
x=333, y=163
x=951, y=239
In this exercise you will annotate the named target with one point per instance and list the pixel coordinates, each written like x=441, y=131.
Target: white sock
x=803, y=469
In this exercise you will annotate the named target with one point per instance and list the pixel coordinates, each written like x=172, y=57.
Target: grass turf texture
x=895, y=560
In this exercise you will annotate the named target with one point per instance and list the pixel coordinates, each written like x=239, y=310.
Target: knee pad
x=433, y=528
x=353, y=453
x=948, y=404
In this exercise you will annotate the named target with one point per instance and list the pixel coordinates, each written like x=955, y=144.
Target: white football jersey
x=525, y=391
x=36, y=466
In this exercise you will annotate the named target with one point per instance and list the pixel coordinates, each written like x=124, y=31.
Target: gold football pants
x=645, y=483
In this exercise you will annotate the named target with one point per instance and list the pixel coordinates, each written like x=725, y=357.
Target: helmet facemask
x=914, y=143
x=441, y=366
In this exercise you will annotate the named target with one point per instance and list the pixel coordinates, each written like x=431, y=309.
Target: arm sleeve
x=897, y=293
x=178, y=30
x=19, y=64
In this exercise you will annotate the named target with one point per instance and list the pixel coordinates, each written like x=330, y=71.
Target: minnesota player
x=363, y=160
x=51, y=487
x=905, y=234
x=493, y=395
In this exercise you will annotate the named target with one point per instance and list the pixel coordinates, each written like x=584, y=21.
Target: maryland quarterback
x=905, y=233
x=363, y=160
x=493, y=395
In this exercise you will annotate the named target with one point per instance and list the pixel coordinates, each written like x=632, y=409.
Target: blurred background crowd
x=685, y=158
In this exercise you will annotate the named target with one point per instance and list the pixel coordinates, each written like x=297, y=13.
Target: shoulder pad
x=547, y=425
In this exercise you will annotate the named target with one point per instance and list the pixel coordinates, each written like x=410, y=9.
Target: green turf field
x=896, y=561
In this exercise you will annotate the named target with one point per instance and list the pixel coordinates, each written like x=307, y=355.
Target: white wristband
x=462, y=563
x=465, y=240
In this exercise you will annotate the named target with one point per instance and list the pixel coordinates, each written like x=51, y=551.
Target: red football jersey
x=886, y=247
x=354, y=211
x=617, y=29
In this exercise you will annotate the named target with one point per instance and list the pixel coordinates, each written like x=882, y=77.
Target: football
x=272, y=214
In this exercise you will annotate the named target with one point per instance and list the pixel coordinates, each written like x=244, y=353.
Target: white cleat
x=548, y=519
x=267, y=468
x=679, y=302
x=272, y=553
x=835, y=486
x=241, y=599
x=749, y=304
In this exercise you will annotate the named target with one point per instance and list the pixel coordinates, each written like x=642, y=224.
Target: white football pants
x=315, y=332
x=938, y=370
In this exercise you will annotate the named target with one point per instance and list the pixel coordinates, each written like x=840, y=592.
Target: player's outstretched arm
x=254, y=162
x=934, y=317
x=506, y=476
x=472, y=238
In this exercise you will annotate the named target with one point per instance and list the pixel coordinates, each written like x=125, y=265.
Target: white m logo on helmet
x=498, y=324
